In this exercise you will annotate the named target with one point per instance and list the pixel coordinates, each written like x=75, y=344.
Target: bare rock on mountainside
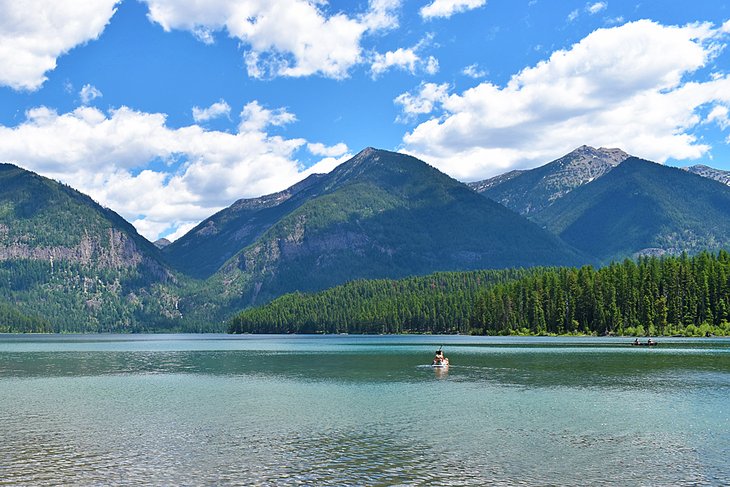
x=529, y=192
x=710, y=172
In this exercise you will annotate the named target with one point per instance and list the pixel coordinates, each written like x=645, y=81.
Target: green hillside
x=643, y=208
x=12, y=320
x=384, y=214
x=204, y=249
x=78, y=265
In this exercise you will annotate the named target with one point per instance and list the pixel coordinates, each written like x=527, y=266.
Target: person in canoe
x=439, y=360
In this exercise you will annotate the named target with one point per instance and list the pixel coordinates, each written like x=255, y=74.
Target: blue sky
x=169, y=110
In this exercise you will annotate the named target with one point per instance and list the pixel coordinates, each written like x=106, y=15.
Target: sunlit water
x=351, y=410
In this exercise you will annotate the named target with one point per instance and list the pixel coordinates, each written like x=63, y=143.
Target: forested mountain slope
x=643, y=208
x=81, y=266
x=384, y=214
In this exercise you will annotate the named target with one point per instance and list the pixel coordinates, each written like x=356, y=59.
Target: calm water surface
x=353, y=410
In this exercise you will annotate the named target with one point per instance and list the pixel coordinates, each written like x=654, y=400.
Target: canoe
x=652, y=344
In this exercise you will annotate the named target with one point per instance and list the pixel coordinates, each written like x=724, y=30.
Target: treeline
x=679, y=295
x=13, y=320
x=434, y=303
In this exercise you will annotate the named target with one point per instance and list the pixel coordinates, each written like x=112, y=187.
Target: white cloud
x=719, y=115
x=424, y=101
x=618, y=87
x=89, y=93
x=573, y=15
x=255, y=118
x=33, y=35
x=327, y=164
x=447, y=8
x=594, y=8
x=406, y=59
x=319, y=149
x=216, y=110
x=108, y=154
x=381, y=15
x=284, y=38
x=473, y=71
x=432, y=65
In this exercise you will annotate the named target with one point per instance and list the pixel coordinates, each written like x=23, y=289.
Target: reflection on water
x=361, y=410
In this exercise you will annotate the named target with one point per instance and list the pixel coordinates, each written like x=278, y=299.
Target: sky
x=167, y=111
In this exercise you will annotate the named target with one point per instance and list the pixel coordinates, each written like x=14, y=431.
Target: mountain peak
x=376, y=165
x=529, y=192
x=612, y=156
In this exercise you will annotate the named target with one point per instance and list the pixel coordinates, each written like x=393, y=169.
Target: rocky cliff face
x=65, y=257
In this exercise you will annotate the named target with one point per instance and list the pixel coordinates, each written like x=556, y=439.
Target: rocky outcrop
x=710, y=172
x=529, y=192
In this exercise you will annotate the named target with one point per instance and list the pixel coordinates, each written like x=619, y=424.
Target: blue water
x=353, y=410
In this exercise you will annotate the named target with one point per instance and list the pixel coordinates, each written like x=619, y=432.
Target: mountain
x=380, y=214
x=710, y=172
x=204, y=249
x=640, y=208
x=529, y=192
x=67, y=259
x=487, y=184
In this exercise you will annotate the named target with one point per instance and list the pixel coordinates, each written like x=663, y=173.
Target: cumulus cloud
x=197, y=171
x=284, y=38
x=618, y=87
x=423, y=101
x=89, y=93
x=447, y=8
x=33, y=36
x=406, y=59
x=216, y=110
x=319, y=149
x=255, y=118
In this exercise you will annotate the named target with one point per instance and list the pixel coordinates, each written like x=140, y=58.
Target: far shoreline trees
x=671, y=295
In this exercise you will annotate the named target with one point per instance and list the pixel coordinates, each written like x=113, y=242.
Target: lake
x=362, y=410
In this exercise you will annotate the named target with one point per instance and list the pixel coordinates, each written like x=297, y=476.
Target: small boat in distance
x=439, y=361
x=648, y=343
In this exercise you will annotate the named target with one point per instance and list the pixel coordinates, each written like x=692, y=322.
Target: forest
x=651, y=296
x=13, y=320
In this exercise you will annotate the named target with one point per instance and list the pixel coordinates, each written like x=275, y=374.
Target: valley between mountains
x=69, y=265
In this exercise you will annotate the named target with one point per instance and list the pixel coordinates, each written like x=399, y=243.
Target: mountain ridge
x=385, y=214
x=641, y=208
x=530, y=191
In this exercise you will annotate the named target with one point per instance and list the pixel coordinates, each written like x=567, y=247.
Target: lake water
x=353, y=410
